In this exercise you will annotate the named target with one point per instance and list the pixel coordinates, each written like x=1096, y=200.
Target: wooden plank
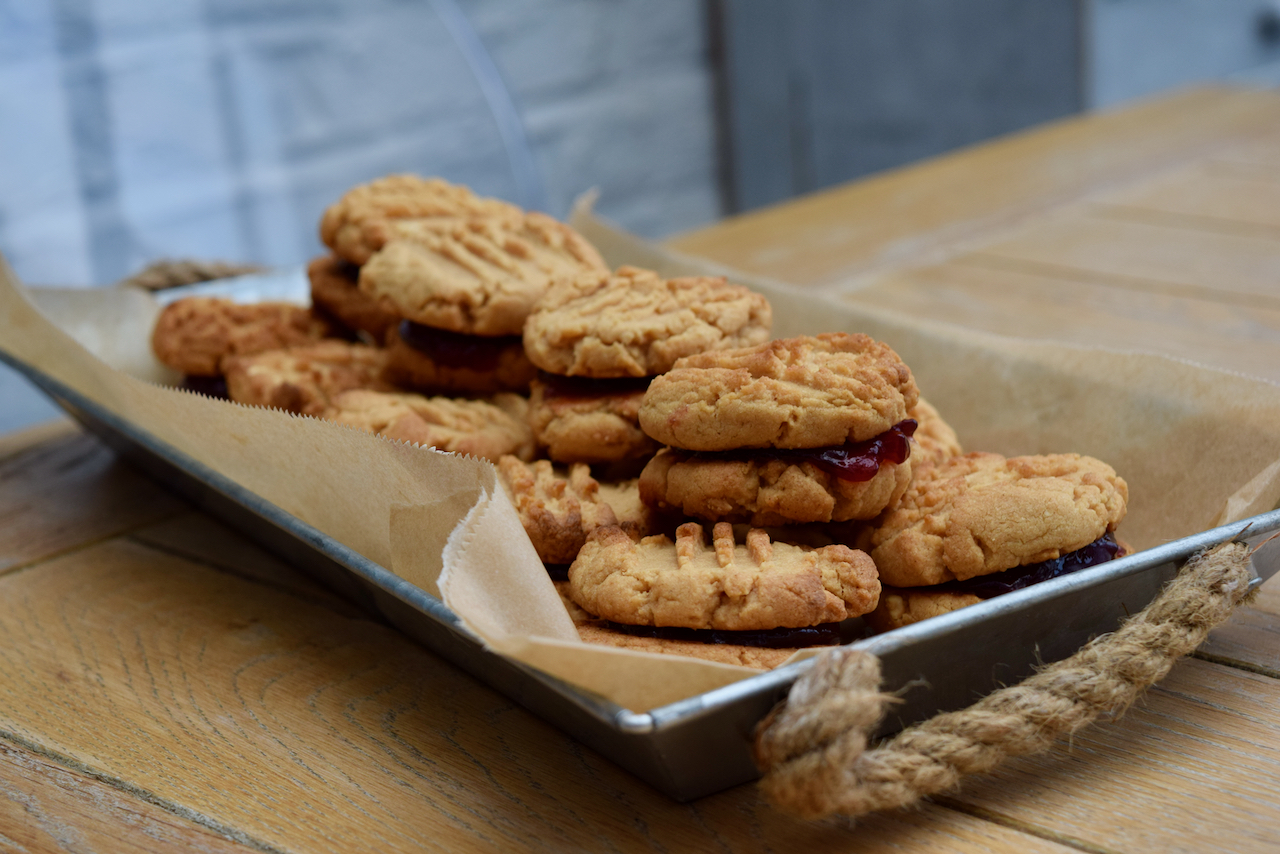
x=22, y=440
x=1203, y=196
x=1088, y=246
x=1045, y=307
x=891, y=218
x=70, y=491
x=1193, y=767
x=198, y=537
x=1251, y=638
x=46, y=808
x=307, y=730
x=1262, y=150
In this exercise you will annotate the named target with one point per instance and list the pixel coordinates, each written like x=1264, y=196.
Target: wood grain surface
x=892, y=218
x=166, y=685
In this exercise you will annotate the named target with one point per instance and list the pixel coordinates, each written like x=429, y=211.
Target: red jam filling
x=456, y=350
x=1099, y=551
x=857, y=462
x=208, y=386
x=586, y=387
x=826, y=634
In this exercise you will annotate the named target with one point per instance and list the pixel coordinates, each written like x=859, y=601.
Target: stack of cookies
x=693, y=487
x=599, y=340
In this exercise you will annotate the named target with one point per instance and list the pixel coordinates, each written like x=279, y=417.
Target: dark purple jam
x=456, y=350
x=1099, y=551
x=583, y=387
x=826, y=634
x=208, y=386
x=857, y=462
x=347, y=270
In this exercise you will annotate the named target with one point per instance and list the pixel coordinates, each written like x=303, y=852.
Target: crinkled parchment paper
x=1199, y=447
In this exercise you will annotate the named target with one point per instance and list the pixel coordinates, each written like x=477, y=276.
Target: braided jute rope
x=171, y=273
x=812, y=749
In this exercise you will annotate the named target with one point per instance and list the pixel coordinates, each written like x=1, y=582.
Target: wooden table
x=166, y=686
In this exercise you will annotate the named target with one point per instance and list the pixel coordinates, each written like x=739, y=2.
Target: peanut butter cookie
x=194, y=334
x=367, y=216
x=806, y=392
x=476, y=427
x=902, y=606
x=634, y=323
x=766, y=490
x=479, y=277
x=449, y=363
x=334, y=291
x=934, y=441
x=304, y=379
x=756, y=586
x=981, y=513
x=760, y=658
x=557, y=512
x=588, y=428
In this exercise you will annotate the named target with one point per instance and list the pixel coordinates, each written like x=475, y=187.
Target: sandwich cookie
x=335, y=292
x=464, y=294
x=979, y=525
x=759, y=594
x=809, y=429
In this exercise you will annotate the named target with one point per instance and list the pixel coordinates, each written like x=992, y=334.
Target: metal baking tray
x=699, y=745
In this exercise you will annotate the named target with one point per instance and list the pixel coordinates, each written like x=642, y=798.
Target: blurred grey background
x=132, y=130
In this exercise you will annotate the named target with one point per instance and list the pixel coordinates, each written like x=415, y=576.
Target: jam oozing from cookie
x=856, y=462
x=456, y=350
x=1099, y=551
x=559, y=386
x=825, y=634
x=348, y=271
x=208, y=386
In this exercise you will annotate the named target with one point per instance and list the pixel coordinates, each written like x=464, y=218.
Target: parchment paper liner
x=1199, y=447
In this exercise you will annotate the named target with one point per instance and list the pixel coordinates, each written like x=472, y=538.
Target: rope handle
x=812, y=748
x=172, y=273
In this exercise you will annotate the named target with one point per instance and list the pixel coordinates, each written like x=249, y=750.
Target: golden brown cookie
x=982, y=513
x=761, y=658
x=367, y=216
x=304, y=379
x=759, y=585
x=476, y=427
x=902, y=606
x=596, y=428
x=934, y=441
x=806, y=392
x=194, y=334
x=765, y=490
x=334, y=290
x=634, y=323
x=480, y=277
x=478, y=365
x=557, y=512
x=634, y=516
